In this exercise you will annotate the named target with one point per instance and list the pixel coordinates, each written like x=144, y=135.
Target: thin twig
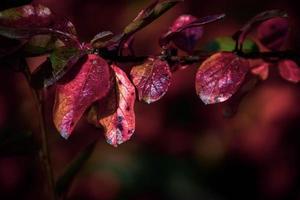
x=44, y=154
x=191, y=59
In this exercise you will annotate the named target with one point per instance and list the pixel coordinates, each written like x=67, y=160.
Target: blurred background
x=182, y=149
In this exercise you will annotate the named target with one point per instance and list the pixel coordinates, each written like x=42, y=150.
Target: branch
x=192, y=59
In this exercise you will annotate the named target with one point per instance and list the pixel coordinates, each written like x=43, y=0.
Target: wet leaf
x=152, y=79
x=186, y=30
x=289, y=70
x=241, y=34
x=273, y=33
x=262, y=71
x=118, y=118
x=220, y=76
x=90, y=84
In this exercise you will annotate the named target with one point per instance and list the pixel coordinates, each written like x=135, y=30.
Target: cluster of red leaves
x=87, y=78
x=222, y=74
x=272, y=34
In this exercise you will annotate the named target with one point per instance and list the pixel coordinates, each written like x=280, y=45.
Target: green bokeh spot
x=228, y=44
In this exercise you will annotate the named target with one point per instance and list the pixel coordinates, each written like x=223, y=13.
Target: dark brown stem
x=44, y=154
x=191, y=59
x=272, y=55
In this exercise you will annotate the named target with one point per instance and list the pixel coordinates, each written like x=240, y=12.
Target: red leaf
x=262, y=71
x=241, y=34
x=289, y=71
x=90, y=84
x=26, y=16
x=220, y=76
x=152, y=79
x=118, y=119
x=273, y=33
x=186, y=31
x=187, y=39
x=36, y=28
x=34, y=16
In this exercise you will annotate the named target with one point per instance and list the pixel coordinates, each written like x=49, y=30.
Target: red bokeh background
x=181, y=149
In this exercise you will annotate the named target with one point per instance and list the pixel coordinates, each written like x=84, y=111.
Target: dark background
x=181, y=149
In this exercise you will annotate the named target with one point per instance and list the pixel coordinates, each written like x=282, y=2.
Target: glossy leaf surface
x=220, y=76
x=152, y=79
x=90, y=84
x=118, y=117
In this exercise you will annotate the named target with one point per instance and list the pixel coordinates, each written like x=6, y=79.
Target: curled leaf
x=90, y=84
x=186, y=39
x=186, y=30
x=241, y=34
x=289, y=70
x=220, y=76
x=102, y=37
x=118, y=118
x=262, y=71
x=152, y=79
x=273, y=33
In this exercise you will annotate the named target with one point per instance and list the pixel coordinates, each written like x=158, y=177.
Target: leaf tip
x=148, y=100
x=65, y=135
x=222, y=15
